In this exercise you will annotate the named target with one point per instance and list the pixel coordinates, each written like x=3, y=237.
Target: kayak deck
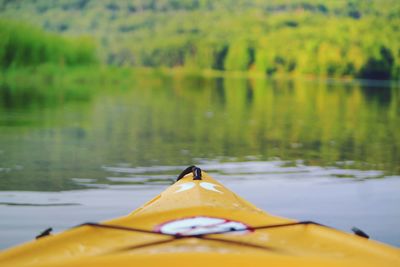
x=199, y=221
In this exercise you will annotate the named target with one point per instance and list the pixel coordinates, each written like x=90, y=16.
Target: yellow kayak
x=198, y=222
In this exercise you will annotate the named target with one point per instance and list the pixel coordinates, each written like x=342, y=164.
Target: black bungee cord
x=205, y=236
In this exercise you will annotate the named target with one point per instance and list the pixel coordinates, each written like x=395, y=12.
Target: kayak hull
x=201, y=222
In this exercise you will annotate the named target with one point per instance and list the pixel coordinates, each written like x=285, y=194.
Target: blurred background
x=292, y=104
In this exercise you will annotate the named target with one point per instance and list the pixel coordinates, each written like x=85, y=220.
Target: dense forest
x=344, y=38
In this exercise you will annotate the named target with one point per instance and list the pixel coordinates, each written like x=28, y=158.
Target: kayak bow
x=197, y=221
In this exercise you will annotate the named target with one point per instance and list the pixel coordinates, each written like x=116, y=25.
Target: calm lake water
x=324, y=151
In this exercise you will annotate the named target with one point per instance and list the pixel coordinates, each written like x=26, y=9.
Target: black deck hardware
x=359, y=232
x=44, y=233
x=191, y=169
x=196, y=173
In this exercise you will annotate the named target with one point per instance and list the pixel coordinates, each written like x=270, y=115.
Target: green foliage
x=348, y=38
x=23, y=45
x=238, y=57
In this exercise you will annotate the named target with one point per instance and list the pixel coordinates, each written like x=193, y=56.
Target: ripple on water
x=275, y=169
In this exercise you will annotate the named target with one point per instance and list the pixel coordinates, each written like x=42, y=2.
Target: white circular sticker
x=200, y=225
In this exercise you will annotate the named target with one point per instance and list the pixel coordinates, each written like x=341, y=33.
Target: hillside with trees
x=346, y=38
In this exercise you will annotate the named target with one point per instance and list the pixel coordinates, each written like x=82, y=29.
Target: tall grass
x=23, y=45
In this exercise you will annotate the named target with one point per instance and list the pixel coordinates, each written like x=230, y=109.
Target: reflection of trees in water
x=176, y=121
x=377, y=94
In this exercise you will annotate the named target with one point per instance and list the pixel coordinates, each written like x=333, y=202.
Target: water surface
x=323, y=151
